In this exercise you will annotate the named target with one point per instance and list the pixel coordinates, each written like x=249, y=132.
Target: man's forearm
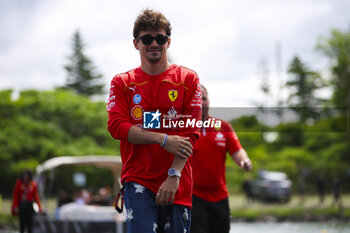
x=177, y=145
x=242, y=159
x=240, y=155
x=138, y=135
x=179, y=163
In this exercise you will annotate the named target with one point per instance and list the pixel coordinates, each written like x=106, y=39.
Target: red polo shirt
x=208, y=161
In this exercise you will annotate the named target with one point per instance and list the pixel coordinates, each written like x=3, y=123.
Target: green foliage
x=247, y=124
x=23, y=138
x=292, y=160
x=290, y=134
x=82, y=77
x=337, y=48
x=43, y=124
x=249, y=130
x=9, y=221
x=303, y=83
x=319, y=142
x=7, y=109
x=317, y=148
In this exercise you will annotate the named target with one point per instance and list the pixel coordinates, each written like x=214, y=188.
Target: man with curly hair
x=156, y=173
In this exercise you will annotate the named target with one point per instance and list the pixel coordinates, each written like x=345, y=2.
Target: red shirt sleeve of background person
x=232, y=142
x=16, y=195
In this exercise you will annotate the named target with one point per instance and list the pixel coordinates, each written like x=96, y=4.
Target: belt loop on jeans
x=120, y=196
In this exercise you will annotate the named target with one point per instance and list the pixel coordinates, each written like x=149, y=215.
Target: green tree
x=337, y=48
x=303, y=83
x=82, y=76
x=7, y=109
x=43, y=124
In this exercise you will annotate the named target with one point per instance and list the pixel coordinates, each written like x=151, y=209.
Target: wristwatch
x=173, y=172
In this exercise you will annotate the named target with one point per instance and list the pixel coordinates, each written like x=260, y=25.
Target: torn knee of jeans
x=129, y=215
x=155, y=226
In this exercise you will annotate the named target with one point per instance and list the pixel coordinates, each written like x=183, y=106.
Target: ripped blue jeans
x=144, y=215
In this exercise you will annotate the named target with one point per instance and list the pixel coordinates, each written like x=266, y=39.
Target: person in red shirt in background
x=24, y=195
x=211, y=213
x=156, y=171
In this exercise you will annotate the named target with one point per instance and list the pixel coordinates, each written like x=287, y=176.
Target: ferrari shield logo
x=172, y=95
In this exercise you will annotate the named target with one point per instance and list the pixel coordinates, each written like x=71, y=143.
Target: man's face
x=153, y=52
x=205, y=104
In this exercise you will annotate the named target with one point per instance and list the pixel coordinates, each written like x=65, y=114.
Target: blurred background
x=279, y=71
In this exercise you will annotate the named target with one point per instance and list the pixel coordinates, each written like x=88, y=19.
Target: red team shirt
x=24, y=192
x=208, y=161
x=175, y=91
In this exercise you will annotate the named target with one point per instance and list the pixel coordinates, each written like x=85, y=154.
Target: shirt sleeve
x=117, y=108
x=193, y=106
x=16, y=195
x=232, y=144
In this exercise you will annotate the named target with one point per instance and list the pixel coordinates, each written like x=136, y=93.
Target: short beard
x=154, y=60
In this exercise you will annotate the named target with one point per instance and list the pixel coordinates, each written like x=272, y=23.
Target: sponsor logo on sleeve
x=197, y=98
x=137, y=98
x=110, y=105
x=136, y=112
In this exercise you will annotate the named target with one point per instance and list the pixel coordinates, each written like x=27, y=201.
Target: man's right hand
x=14, y=211
x=179, y=146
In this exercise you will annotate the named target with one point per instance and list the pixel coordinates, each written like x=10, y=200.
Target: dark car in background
x=271, y=186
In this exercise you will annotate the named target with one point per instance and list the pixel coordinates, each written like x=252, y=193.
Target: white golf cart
x=74, y=217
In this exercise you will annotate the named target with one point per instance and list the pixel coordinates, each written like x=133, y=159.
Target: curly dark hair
x=150, y=19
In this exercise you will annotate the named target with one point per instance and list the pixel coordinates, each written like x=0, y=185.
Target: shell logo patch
x=172, y=95
x=137, y=112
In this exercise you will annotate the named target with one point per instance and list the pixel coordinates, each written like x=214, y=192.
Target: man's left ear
x=135, y=42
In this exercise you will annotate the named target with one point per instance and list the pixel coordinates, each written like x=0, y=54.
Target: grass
x=8, y=220
x=295, y=210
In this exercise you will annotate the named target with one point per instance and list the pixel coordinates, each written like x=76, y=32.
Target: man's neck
x=205, y=117
x=154, y=68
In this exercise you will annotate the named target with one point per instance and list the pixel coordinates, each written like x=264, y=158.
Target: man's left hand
x=246, y=164
x=167, y=191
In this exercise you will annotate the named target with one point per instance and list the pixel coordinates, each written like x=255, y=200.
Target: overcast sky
x=224, y=41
